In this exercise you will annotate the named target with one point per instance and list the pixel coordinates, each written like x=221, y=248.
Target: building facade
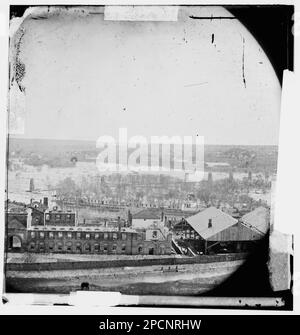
x=39, y=230
x=94, y=240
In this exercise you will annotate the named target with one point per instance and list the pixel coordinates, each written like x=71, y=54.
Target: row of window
x=96, y=248
x=76, y=247
x=78, y=235
x=58, y=217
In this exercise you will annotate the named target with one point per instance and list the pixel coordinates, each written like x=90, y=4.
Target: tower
x=31, y=185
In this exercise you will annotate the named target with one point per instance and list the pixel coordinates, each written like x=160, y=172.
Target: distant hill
x=258, y=158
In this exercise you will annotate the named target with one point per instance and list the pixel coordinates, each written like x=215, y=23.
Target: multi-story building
x=94, y=240
x=43, y=231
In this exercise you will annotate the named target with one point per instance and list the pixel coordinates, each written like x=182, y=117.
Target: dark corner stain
x=252, y=279
x=17, y=11
x=271, y=26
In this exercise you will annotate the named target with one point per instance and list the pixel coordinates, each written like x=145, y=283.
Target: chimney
x=31, y=185
x=46, y=202
x=119, y=224
x=209, y=223
x=29, y=217
x=129, y=219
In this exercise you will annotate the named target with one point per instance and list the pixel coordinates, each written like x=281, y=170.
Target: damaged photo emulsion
x=141, y=153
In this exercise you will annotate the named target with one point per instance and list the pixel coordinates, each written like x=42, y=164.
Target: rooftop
x=219, y=222
x=81, y=228
x=258, y=219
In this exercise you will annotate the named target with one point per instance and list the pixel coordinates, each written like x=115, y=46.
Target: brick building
x=94, y=240
x=39, y=230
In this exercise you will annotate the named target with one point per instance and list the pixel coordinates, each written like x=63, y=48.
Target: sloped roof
x=16, y=208
x=15, y=224
x=220, y=221
x=258, y=220
x=143, y=224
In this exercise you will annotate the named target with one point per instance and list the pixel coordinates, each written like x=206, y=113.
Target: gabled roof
x=257, y=220
x=219, y=220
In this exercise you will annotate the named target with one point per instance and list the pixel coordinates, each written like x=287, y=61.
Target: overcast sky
x=86, y=77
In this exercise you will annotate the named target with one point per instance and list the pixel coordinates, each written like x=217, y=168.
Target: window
x=105, y=249
x=51, y=234
x=42, y=247
x=57, y=217
x=124, y=236
x=32, y=246
x=60, y=234
x=78, y=235
x=105, y=236
x=123, y=248
x=32, y=234
x=51, y=246
x=114, y=248
x=69, y=246
x=115, y=236
x=69, y=235
x=97, y=247
x=140, y=249
x=68, y=216
x=87, y=247
x=59, y=246
x=42, y=234
x=154, y=234
x=97, y=236
x=47, y=217
x=78, y=247
x=87, y=236
x=37, y=220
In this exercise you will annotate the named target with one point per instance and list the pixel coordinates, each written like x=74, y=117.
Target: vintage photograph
x=142, y=148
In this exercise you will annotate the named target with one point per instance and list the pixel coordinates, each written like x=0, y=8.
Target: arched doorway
x=151, y=250
x=15, y=243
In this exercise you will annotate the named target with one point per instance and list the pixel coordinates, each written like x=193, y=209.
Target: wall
x=237, y=232
x=122, y=263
